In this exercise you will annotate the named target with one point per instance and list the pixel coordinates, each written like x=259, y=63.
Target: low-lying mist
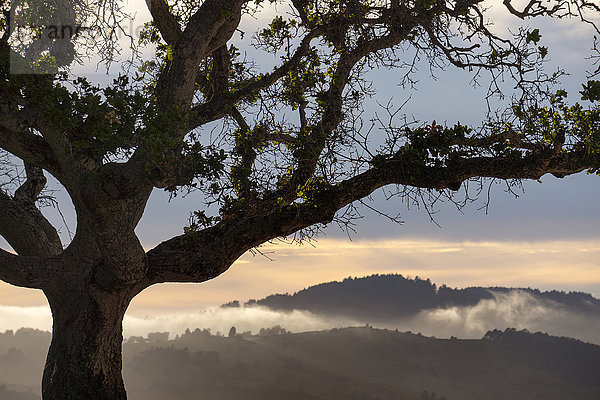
x=515, y=309
x=219, y=319
x=13, y=318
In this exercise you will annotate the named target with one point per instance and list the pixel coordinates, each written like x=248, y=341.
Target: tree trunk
x=84, y=360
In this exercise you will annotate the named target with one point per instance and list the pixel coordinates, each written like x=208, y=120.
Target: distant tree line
x=359, y=363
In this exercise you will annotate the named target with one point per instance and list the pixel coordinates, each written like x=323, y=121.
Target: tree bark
x=84, y=360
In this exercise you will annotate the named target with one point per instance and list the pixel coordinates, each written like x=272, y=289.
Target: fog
x=515, y=309
x=222, y=319
x=13, y=318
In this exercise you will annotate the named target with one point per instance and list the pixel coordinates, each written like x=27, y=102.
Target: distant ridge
x=384, y=297
x=358, y=363
x=364, y=363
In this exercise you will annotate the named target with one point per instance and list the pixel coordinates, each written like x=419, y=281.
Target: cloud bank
x=13, y=317
x=222, y=319
x=568, y=265
x=516, y=309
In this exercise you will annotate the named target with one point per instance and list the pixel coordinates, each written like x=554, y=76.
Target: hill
x=386, y=297
x=360, y=363
x=363, y=364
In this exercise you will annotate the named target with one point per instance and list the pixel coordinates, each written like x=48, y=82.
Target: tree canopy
x=276, y=150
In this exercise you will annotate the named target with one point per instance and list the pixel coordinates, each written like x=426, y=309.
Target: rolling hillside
x=386, y=297
x=364, y=364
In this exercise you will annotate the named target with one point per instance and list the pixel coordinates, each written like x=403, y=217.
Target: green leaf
x=533, y=36
x=591, y=91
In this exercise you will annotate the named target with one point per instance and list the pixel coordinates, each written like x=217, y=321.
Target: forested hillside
x=363, y=364
x=384, y=297
x=351, y=364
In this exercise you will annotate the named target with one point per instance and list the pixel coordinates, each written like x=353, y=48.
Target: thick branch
x=29, y=272
x=405, y=172
x=30, y=148
x=210, y=28
x=32, y=187
x=22, y=224
x=206, y=33
x=193, y=257
x=199, y=256
x=165, y=21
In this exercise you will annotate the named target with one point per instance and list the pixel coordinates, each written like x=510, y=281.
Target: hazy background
x=359, y=339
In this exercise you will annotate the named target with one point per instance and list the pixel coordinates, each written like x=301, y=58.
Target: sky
x=547, y=237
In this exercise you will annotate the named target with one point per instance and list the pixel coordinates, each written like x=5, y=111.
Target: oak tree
x=293, y=148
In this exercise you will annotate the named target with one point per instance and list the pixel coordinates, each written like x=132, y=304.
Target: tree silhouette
x=292, y=151
x=232, y=332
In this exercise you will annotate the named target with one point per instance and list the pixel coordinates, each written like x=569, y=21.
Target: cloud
x=222, y=319
x=569, y=265
x=12, y=317
x=516, y=309
x=562, y=265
